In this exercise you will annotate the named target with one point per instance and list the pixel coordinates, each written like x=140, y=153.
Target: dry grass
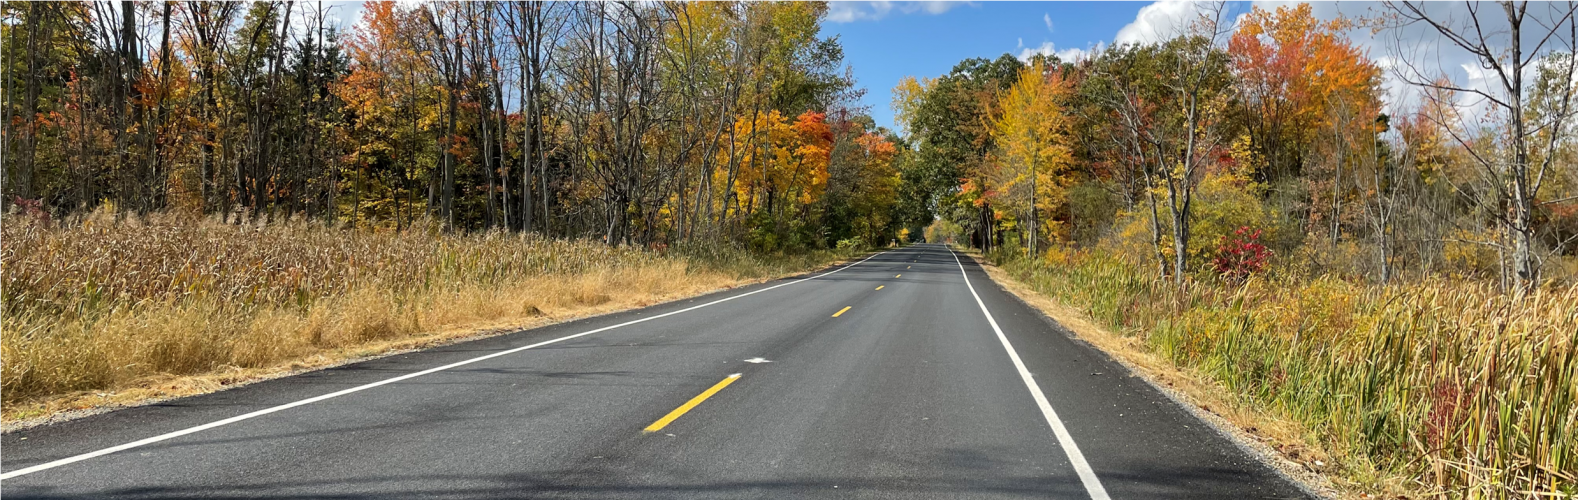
x=108, y=310
x=1438, y=388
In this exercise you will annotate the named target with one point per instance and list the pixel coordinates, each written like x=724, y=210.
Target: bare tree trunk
x=1180, y=213
x=6, y=93
x=131, y=61
x=1034, y=220
x=1156, y=234
x=501, y=128
x=449, y=155
x=23, y=178
x=1336, y=198
x=157, y=142
x=526, y=46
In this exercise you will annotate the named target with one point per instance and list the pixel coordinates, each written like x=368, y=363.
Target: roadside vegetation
x=111, y=302
x=1394, y=284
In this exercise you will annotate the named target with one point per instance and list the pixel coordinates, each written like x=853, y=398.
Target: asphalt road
x=913, y=391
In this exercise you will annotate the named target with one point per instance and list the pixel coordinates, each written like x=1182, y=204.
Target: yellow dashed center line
x=678, y=412
x=841, y=311
x=879, y=287
x=897, y=275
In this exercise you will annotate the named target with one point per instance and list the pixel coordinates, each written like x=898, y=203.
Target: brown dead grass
x=115, y=311
x=465, y=316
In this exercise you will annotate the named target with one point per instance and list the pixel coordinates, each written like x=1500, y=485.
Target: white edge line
x=1066, y=441
x=304, y=402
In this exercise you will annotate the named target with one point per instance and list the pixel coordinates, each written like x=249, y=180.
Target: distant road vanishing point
x=908, y=374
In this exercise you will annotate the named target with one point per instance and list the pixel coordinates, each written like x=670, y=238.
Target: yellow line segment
x=841, y=311
x=678, y=412
x=897, y=275
x=879, y=287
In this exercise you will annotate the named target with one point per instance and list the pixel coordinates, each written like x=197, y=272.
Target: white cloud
x=848, y=12
x=345, y=14
x=1046, y=49
x=1048, y=18
x=1158, y=21
x=929, y=7
x=1049, y=49
x=1072, y=54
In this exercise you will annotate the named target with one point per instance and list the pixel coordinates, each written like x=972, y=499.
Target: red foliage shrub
x=1242, y=255
x=32, y=208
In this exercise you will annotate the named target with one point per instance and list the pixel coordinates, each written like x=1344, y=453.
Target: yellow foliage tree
x=907, y=97
x=792, y=164
x=1032, y=134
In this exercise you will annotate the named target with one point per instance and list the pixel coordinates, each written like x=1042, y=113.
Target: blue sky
x=917, y=40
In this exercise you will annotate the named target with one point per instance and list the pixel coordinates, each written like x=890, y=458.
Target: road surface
x=905, y=375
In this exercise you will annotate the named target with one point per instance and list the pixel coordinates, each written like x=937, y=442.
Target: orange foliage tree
x=1294, y=71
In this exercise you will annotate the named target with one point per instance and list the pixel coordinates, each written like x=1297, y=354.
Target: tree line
x=1276, y=129
x=633, y=122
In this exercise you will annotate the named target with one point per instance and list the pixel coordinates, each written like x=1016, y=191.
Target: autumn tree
x=385, y=94
x=639, y=123
x=1032, y=136
x=1291, y=68
x=952, y=125
x=1532, y=115
x=1309, y=96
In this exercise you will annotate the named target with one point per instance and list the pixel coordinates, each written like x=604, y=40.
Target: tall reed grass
x=107, y=301
x=1470, y=392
